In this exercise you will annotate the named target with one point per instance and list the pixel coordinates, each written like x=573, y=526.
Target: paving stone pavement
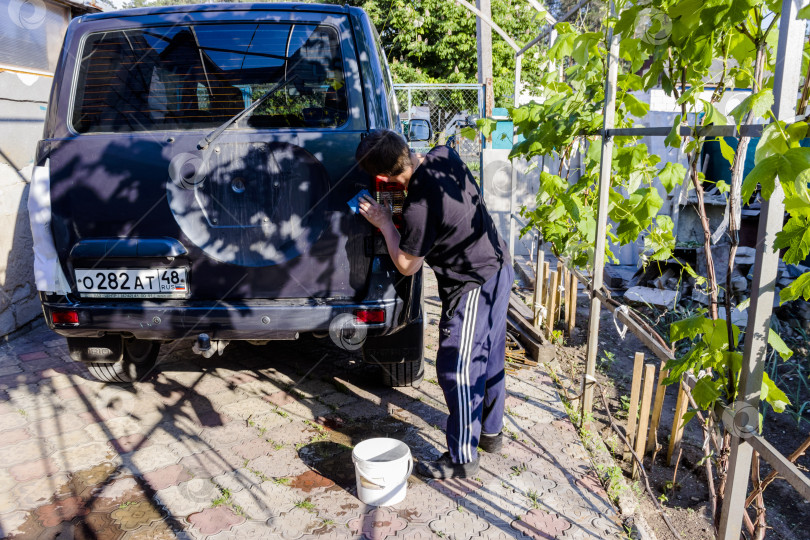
x=257, y=444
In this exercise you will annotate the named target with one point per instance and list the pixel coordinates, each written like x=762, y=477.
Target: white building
x=31, y=34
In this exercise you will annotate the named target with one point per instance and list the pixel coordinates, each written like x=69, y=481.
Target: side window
x=388, y=82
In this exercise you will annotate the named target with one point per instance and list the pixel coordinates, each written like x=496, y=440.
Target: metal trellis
x=744, y=441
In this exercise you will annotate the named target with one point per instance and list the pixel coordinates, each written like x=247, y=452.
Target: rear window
x=198, y=76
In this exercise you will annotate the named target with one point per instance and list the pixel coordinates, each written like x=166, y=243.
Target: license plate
x=132, y=283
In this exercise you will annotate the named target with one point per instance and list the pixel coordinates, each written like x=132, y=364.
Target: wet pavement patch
x=328, y=460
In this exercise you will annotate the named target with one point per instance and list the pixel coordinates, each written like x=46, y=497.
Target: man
x=446, y=224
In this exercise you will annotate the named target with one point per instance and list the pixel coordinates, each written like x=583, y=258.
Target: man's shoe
x=491, y=444
x=445, y=468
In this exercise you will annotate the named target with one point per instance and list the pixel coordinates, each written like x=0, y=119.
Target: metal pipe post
x=482, y=141
x=598, y=268
x=548, y=29
x=513, y=190
x=766, y=263
x=490, y=22
x=410, y=105
x=483, y=32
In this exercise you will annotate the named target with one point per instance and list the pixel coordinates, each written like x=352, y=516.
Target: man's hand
x=377, y=214
x=380, y=216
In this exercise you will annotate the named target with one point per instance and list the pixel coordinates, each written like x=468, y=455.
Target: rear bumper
x=256, y=319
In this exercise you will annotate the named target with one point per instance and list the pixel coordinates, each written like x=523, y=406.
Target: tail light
x=392, y=195
x=65, y=318
x=370, y=316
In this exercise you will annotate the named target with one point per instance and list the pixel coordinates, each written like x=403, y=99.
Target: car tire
x=403, y=374
x=138, y=360
x=399, y=356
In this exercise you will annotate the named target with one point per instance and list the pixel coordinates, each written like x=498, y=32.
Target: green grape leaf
x=757, y=104
x=705, y=392
x=666, y=84
x=772, y=394
x=671, y=175
x=674, y=138
x=700, y=280
x=634, y=106
x=678, y=366
x=800, y=288
x=716, y=335
x=627, y=19
x=713, y=116
x=726, y=150
x=660, y=242
x=629, y=158
x=582, y=46
x=594, y=151
x=796, y=132
x=688, y=328
x=488, y=125
x=796, y=206
x=763, y=173
x=775, y=341
x=771, y=143
x=804, y=13
x=469, y=133
x=734, y=360
x=687, y=416
x=690, y=94
x=795, y=236
x=563, y=45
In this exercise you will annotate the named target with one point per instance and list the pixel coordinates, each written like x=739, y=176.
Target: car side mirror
x=419, y=130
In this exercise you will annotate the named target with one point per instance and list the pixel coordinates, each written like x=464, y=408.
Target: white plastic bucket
x=382, y=467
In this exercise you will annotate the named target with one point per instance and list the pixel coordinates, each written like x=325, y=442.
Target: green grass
x=306, y=505
x=259, y=474
x=224, y=499
x=518, y=469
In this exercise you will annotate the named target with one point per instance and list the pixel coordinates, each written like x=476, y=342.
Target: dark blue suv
x=193, y=179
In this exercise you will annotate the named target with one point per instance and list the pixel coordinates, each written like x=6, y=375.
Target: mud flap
x=407, y=345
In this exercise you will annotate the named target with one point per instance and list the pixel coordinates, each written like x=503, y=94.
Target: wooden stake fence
x=635, y=393
x=644, y=415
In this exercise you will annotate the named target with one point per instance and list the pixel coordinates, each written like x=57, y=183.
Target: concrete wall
x=31, y=35
x=663, y=110
x=498, y=190
x=23, y=100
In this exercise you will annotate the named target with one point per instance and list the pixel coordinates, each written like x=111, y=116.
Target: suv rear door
x=261, y=210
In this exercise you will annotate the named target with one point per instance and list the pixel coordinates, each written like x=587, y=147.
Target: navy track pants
x=470, y=364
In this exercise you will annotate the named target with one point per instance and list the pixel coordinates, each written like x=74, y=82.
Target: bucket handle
x=376, y=483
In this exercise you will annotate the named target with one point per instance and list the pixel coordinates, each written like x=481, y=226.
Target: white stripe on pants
x=465, y=449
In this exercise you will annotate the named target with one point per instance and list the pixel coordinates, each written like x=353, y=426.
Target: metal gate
x=449, y=108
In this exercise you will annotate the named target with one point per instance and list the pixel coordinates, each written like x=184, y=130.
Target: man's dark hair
x=384, y=152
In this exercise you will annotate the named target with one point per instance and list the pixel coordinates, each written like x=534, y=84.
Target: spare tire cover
x=249, y=204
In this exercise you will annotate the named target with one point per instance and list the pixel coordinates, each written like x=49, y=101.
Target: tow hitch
x=207, y=347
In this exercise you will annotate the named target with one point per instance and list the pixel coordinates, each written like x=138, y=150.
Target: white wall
x=31, y=36
x=23, y=100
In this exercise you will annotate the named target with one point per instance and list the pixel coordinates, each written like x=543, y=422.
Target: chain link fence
x=449, y=108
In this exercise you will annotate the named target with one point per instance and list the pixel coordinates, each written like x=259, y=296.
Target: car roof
x=234, y=6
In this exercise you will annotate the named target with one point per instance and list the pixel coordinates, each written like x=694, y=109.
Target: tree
x=588, y=18
x=433, y=41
